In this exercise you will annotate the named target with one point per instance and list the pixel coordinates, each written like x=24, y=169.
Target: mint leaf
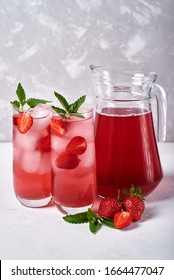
x=69, y=109
x=21, y=94
x=94, y=226
x=60, y=111
x=76, y=218
x=16, y=104
x=62, y=101
x=76, y=105
x=95, y=221
x=22, y=100
x=107, y=222
x=91, y=215
x=33, y=102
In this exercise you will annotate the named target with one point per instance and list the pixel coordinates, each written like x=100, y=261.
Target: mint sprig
x=22, y=100
x=68, y=109
x=94, y=220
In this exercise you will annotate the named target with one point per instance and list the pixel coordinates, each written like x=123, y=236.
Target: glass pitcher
x=126, y=146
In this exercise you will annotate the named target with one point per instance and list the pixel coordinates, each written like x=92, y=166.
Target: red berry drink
x=73, y=162
x=31, y=156
x=126, y=151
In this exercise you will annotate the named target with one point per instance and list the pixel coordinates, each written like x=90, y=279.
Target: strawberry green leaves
x=22, y=100
x=68, y=109
x=133, y=192
x=95, y=221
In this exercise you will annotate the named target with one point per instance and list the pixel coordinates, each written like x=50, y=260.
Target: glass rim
x=31, y=112
x=84, y=110
x=136, y=74
x=87, y=109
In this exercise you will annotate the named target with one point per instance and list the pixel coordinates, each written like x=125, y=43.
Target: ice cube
x=88, y=158
x=26, y=141
x=84, y=128
x=40, y=111
x=59, y=143
x=41, y=115
x=31, y=161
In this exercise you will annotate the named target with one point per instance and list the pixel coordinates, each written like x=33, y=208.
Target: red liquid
x=74, y=187
x=36, y=186
x=31, y=160
x=126, y=152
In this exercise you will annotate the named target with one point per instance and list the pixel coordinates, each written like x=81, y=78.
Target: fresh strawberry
x=58, y=126
x=24, y=122
x=135, y=206
x=44, y=144
x=122, y=219
x=67, y=161
x=108, y=207
x=134, y=203
x=77, y=145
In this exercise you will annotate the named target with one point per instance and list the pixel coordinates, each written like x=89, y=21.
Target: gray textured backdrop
x=48, y=45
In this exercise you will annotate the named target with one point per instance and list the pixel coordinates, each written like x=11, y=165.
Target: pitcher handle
x=161, y=99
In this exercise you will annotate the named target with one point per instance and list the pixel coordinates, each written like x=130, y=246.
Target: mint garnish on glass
x=95, y=221
x=68, y=110
x=24, y=119
x=22, y=100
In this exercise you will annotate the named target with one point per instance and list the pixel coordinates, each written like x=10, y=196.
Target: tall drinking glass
x=73, y=162
x=31, y=158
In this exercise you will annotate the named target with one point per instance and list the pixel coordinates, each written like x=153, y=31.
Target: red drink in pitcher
x=126, y=148
x=126, y=151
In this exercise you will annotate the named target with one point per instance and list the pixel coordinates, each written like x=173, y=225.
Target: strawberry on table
x=58, y=127
x=67, y=161
x=135, y=206
x=108, y=207
x=134, y=203
x=24, y=122
x=113, y=213
x=122, y=219
x=77, y=145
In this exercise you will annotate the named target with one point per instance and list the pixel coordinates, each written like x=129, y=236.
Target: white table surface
x=28, y=233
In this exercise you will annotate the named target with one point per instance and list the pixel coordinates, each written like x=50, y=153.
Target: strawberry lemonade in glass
x=73, y=156
x=31, y=150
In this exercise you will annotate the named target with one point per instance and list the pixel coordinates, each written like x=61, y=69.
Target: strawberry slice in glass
x=77, y=145
x=67, y=161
